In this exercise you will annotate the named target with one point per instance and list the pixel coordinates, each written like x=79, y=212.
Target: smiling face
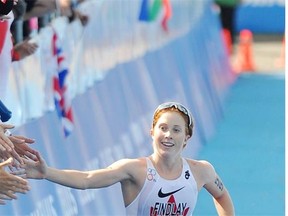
x=169, y=133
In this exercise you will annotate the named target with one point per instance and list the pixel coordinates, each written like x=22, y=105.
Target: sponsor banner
x=263, y=3
x=252, y=15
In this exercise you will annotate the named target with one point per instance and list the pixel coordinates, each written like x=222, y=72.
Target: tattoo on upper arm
x=219, y=184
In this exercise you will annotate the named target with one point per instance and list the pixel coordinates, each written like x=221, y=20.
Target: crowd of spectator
x=16, y=32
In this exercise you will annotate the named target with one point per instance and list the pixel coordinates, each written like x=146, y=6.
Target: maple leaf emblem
x=169, y=208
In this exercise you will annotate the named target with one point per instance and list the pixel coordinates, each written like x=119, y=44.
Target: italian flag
x=150, y=10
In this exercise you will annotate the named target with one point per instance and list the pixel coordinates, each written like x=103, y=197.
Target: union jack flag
x=62, y=102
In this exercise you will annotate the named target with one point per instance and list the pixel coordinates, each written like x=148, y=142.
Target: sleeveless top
x=160, y=196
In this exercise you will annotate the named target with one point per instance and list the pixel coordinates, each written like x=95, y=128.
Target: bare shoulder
x=133, y=167
x=134, y=162
x=202, y=165
x=203, y=170
x=126, y=162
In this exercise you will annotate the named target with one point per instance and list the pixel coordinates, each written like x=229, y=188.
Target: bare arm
x=224, y=204
x=76, y=178
x=41, y=8
x=216, y=188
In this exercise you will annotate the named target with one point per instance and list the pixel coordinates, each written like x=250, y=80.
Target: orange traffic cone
x=244, y=58
x=226, y=35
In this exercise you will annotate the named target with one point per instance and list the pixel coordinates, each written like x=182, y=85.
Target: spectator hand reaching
x=14, y=146
x=6, y=146
x=10, y=184
x=23, y=49
x=21, y=148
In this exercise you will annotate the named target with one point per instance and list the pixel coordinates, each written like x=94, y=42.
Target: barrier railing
x=120, y=69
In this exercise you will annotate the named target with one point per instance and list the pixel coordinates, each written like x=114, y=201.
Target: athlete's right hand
x=34, y=169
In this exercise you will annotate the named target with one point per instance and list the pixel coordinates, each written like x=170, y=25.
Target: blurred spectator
x=69, y=8
x=227, y=15
x=16, y=27
x=42, y=8
x=6, y=6
x=38, y=8
x=23, y=49
x=8, y=52
x=12, y=149
x=6, y=47
x=78, y=15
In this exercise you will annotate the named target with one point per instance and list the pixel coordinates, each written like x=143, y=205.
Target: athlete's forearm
x=82, y=179
x=224, y=205
x=70, y=178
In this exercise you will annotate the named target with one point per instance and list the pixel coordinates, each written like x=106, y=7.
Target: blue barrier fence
x=113, y=114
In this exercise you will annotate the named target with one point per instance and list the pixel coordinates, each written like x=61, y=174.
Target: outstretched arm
x=75, y=178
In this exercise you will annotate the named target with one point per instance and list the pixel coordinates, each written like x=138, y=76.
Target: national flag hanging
x=155, y=10
x=62, y=102
x=3, y=33
x=149, y=11
x=167, y=14
x=144, y=11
